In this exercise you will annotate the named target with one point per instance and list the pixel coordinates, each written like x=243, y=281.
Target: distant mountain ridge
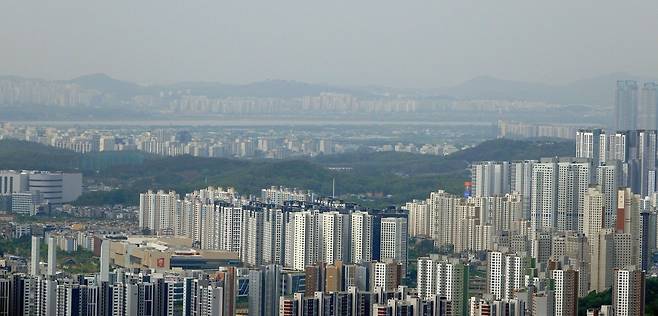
x=105, y=83
x=596, y=91
x=266, y=88
x=592, y=91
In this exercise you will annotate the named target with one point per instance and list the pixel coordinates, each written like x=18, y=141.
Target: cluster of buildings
x=526, y=238
x=269, y=289
x=514, y=286
x=635, y=108
x=28, y=192
x=175, y=142
x=636, y=105
x=293, y=234
x=557, y=228
x=424, y=149
x=527, y=130
x=15, y=91
x=326, y=102
x=202, y=100
x=46, y=291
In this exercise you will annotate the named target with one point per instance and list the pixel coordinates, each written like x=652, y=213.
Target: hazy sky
x=410, y=43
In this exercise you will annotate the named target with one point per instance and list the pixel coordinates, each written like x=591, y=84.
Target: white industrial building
x=28, y=189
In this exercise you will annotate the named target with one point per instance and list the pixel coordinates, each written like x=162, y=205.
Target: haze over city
x=337, y=158
x=422, y=44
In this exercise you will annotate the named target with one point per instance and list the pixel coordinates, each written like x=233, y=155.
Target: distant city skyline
x=425, y=44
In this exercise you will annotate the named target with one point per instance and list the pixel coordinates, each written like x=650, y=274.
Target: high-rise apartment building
x=566, y=291
x=543, y=201
x=35, y=256
x=557, y=195
x=157, y=211
x=505, y=274
x=302, y=240
x=647, y=116
x=52, y=256
x=385, y=275
x=608, y=179
x=419, y=218
x=626, y=98
x=364, y=226
x=444, y=278
x=490, y=178
x=628, y=292
x=588, y=144
x=334, y=232
x=393, y=240
x=265, y=286
x=443, y=217
x=602, y=260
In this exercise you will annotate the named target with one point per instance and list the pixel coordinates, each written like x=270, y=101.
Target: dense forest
x=375, y=179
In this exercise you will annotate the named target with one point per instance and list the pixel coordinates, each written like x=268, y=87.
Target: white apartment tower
x=334, y=233
x=504, y=274
x=588, y=144
x=543, y=202
x=303, y=239
x=362, y=236
x=157, y=211
x=52, y=256
x=393, y=244
x=105, y=261
x=442, y=277
x=419, y=218
x=521, y=182
x=443, y=217
x=490, y=178
x=35, y=256
x=273, y=236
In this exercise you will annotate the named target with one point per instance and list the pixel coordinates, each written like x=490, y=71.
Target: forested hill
x=508, y=150
x=382, y=178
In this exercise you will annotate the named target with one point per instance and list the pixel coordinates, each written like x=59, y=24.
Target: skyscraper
x=419, y=218
x=362, y=236
x=594, y=215
x=644, y=173
x=490, y=178
x=647, y=116
x=444, y=278
x=393, y=242
x=303, y=240
x=52, y=256
x=36, y=255
x=157, y=211
x=265, y=286
x=543, y=201
x=608, y=176
x=566, y=292
x=105, y=261
x=251, y=251
x=602, y=261
x=628, y=292
x=588, y=144
x=557, y=195
x=626, y=98
x=521, y=182
x=504, y=274
x=334, y=230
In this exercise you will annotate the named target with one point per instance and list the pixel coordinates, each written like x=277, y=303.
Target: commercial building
x=162, y=253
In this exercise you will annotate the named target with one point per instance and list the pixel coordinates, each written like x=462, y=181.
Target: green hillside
x=375, y=179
